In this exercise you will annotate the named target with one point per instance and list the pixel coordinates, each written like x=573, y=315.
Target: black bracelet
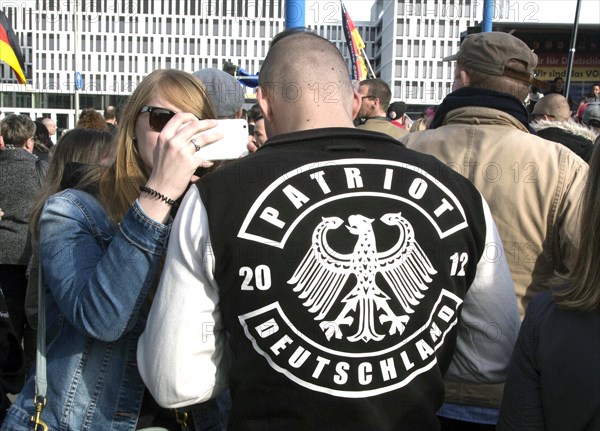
x=158, y=195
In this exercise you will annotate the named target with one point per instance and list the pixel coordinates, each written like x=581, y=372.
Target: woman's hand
x=175, y=158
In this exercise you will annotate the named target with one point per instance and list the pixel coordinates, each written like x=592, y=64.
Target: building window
x=399, y=48
x=398, y=90
x=398, y=69
x=400, y=26
x=400, y=7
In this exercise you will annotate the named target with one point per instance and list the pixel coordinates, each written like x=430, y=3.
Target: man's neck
x=378, y=113
x=378, y=117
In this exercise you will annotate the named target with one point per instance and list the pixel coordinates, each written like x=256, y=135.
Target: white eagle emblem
x=323, y=272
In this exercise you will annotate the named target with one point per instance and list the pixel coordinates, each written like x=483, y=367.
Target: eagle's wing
x=407, y=269
x=322, y=274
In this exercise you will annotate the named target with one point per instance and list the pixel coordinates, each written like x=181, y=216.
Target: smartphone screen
x=234, y=142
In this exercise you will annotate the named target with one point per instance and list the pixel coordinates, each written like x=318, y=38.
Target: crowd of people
x=357, y=270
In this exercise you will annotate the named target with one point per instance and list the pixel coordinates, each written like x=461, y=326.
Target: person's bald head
x=305, y=82
x=552, y=107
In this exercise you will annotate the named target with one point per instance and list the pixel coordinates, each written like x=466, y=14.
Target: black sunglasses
x=159, y=117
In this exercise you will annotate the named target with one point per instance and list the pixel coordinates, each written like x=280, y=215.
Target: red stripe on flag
x=11, y=51
x=355, y=45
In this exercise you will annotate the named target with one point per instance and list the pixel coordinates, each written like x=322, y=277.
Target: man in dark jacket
x=552, y=121
x=338, y=275
x=20, y=181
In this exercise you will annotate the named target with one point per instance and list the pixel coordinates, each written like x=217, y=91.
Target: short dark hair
x=255, y=113
x=16, y=130
x=42, y=134
x=378, y=88
x=110, y=112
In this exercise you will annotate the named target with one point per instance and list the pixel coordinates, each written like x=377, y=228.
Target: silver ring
x=193, y=141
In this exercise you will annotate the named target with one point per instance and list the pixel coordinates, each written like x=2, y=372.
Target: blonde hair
x=119, y=185
x=418, y=125
x=582, y=290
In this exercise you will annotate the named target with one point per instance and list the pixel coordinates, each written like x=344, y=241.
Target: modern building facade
x=412, y=37
x=113, y=44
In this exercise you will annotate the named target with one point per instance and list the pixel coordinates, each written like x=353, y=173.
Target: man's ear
x=376, y=103
x=356, y=103
x=464, y=78
x=29, y=145
x=265, y=104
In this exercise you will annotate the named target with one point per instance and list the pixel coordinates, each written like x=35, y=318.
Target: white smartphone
x=234, y=142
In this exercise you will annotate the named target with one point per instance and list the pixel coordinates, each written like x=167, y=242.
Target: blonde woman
x=418, y=125
x=101, y=244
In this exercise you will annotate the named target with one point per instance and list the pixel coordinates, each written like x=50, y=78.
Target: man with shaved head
x=552, y=121
x=304, y=95
x=340, y=264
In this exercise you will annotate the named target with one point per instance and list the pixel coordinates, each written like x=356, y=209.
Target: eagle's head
x=358, y=224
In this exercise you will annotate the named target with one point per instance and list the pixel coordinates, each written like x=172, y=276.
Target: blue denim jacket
x=97, y=277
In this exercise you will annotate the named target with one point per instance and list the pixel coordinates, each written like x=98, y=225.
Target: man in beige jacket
x=532, y=185
x=375, y=95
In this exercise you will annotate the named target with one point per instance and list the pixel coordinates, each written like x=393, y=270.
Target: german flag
x=355, y=46
x=10, y=51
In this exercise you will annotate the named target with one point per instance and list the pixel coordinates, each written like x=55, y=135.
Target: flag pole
x=356, y=47
x=368, y=63
x=572, y=50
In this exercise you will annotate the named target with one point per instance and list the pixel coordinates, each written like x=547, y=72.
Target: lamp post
x=295, y=14
x=76, y=73
x=488, y=16
x=572, y=50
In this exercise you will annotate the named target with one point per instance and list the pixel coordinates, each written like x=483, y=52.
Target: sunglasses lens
x=159, y=118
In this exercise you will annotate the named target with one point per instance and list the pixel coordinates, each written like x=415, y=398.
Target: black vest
x=342, y=259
